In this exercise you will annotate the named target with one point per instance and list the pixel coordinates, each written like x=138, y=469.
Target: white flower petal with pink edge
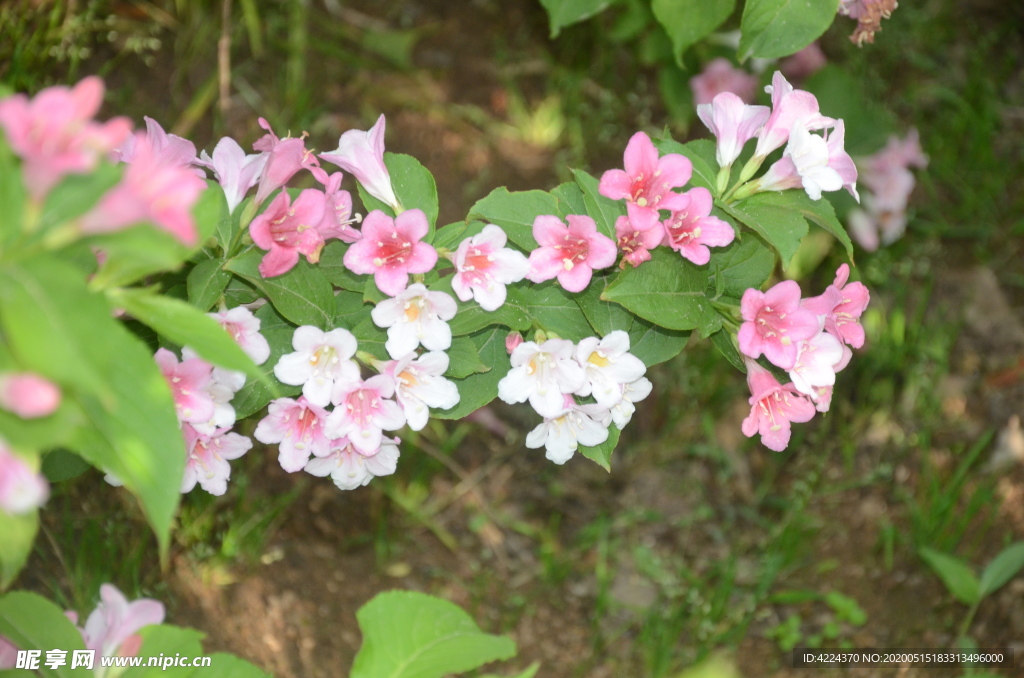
x=298, y=427
x=321, y=361
x=244, y=328
x=622, y=411
x=608, y=365
x=349, y=469
x=484, y=266
x=420, y=385
x=575, y=425
x=543, y=375
x=115, y=620
x=208, y=457
x=21, y=488
x=416, y=316
x=816, y=362
x=363, y=410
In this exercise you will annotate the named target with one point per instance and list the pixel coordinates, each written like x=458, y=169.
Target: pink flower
x=21, y=488
x=208, y=457
x=8, y=654
x=188, y=381
x=167, y=149
x=321, y=361
x=842, y=305
x=236, y=171
x=244, y=328
x=484, y=266
x=288, y=229
x=285, y=158
x=890, y=182
x=54, y=133
x=814, y=163
x=570, y=253
x=789, y=107
x=350, y=469
x=361, y=154
x=775, y=324
x=299, y=428
x=647, y=182
x=115, y=622
x=804, y=63
x=719, y=76
x=512, y=340
x=28, y=395
x=420, y=385
x=390, y=249
x=150, y=190
x=733, y=123
x=691, y=230
x=773, y=408
x=636, y=245
x=338, y=217
x=363, y=410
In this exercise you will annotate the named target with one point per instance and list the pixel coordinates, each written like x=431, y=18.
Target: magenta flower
x=28, y=395
x=789, y=107
x=571, y=253
x=115, y=622
x=484, y=266
x=188, y=381
x=647, y=182
x=363, y=410
x=338, y=217
x=390, y=249
x=773, y=408
x=775, y=324
x=284, y=160
x=167, y=149
x=733, y=123
x=236, y=172
x=150, y=190
x=298, y=426
x=208, y=457
x=691, y=230
x=54, y=133
x=636, y=245
x=349, y=468
x=842, y=305
x=288, y=229
x=361, y=154
x=719, y=76
x=244, y=328
x=21, y=488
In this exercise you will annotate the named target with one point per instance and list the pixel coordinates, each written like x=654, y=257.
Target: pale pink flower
x=840, y=160
x=574, y=425
x=321, y=361
x=822, y=398
x=420, y=385
x=244, y=328
x=28, y=395
x=647, y=182
x=221, y=390
x=21, y=488
x=636, y=245
x=208, y=457
x=719, y=76
x=692, y=229
x=864, y=228
x=543, y=375
x=390, y=249
x=775, y=324
x=114, y=625
x=842, y=305
x=235, y=171
x=633, y=392
x=167, y=149
x=54, y=133
x=817, y=361
x=361, y=154
x=789, y=107
x=608, y=365
x=188, y=381
x=349, y=468
x=287, y=229
x=364, y=410
x=570, y=253
x=890, y=182
x=733, y=123
x=484, y=266
x=8, y=654
x=284, y=160
x=804, y=63
x=338, y=217
x=416, y=317
x=298, y=427
x=773, y=408
x=151, y=190
x=512, y=340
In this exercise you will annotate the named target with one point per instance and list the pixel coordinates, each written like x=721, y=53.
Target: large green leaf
x=603, y=316
x=957, y=575
x=414, y=187
x=687, y=21
x=464, y=359
x=413, y=635
x=668, y=291
x=75, y=194
x=562, y=13
x=32, y=622
x=515, y=213
x=604, y=211
x=302, y=295
x=170, y=642
x=556, y=310
x=333, y=267
x=774, y=217
x=776, y=28
x=701, y=154
x=570, y=199
x=725, y=342
x=740, y=266
x=19, y=533
x=654, y=344
x=230, y=666
x=477, y=390
x=819, y=211
x=1002, y=569
x=206, y=283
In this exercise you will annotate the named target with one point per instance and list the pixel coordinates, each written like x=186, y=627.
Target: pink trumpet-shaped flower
x=349, y=468
x=840, y=160
x=151, y=190
x=284, y=160
x=789, y=107
x=54, y=133
x=773, y=408
x=484, y=266
x=338, y=217
x=571, y=253
x=647, y=182
x=298, y=427
x=636, y=245
x=513, y=340
x=114, y=624
x=21, y=488
x=188, y=380
x=720, y=76
x=733, y=123
x=361, y=154
x=28, y=395
x=236, y=172
x=208, y=457
x=288, y=229
x=363, y=410
x=390, y=249
x=775, y=324
x=244, y=328
x=842, y=305
x=692, y=229
x=168, y=149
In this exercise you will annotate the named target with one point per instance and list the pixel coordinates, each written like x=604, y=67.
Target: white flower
x=321, y=360
x=543, y=375
x=420, y=385
x=810, y=156
x=483, y=266
x=633, y=392
x=816, y=362
x=576, y=425
x=608, y=365
x=349, y=469
x=416, y=316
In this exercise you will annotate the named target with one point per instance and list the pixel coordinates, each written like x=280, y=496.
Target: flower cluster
x=810, y=338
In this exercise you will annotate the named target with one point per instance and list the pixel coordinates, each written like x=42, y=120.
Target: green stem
x=965, y=626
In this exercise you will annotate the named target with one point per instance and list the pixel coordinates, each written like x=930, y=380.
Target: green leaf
x=19, y=533
x=820, y=212
x=135, y=253
x=741, y=266
x=413, y=635
x=169, y=641
x=477, y=390
x=529, y=672
x=470, y=318
x=602, y=315
x=230, y=666
x=515, y=213
x=228, y=224
x=556, y=310
x=776, y=28
x=1002, y=569
x=451, y=235
x=668, y=291
x=60, y=465
x=570, y=199
x=302, y=295
x=371, y=339
x=255, y=395
x=654, y=344
x=414, y=187
x=725, y=342
x=604, y=211
x=32, y=622
x=350, y=309
x=332, y=265
x=463, y=359
x=602, y=454
x=701, y=154
x=773, y=217
x=562, y=13
x=688, y=21
x=210, y=209
x=957, y=575
x=206, y=283
x=240, y=292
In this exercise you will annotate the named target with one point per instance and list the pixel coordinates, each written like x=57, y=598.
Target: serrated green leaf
x=562, y=13
x=602, y=454
x=570, y=199
x=302, y=295
x=603, y=316
x=654, y=344
x=604, y=211
x=688, y=21
x=771, y=29
x=464, y=359
x=515, y=213
x=477, y=390
x=725, y=342
x=371, y=339
x=556, y=310
x=773, y=217
x=332, y=265
x=741, y=266
x=701, y=154
x=957, y=575
x=19, y=533
x=820, y=212
x=206, y=283
x=350, y=309
x=1002, y=569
